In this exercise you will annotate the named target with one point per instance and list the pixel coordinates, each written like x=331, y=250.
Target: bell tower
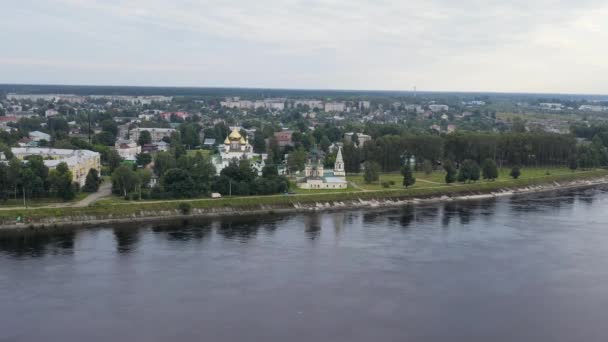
x=339, y=164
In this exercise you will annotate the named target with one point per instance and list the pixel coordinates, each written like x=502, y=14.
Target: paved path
x=105, y=190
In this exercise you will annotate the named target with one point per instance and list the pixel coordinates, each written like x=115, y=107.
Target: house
x=37, y=136
x=162, y=146
x=27, y=142
x=127, y=149
x=284, y=138
x=49, y=113
x=209, y=143
x=362, y=138
x=168, y=115
x=451, y=128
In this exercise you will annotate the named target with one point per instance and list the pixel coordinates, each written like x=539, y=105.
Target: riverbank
x=171, y=210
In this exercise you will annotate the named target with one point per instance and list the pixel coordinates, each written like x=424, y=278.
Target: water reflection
x=37, y=243
x=126, y=239
x=239, y=229
x=185, y=232
x=312, y=226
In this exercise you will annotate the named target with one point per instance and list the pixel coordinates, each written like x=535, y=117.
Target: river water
x=528, y=268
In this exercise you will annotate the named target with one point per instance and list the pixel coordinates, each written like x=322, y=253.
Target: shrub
x=185, y=208
x=386, y=185
x=515, y=172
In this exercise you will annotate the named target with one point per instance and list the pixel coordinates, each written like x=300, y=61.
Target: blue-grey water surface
x=512, y=269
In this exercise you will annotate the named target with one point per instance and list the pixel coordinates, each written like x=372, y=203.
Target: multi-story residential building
x=275, y=104
x=593, y=108
x=312, y=104
x=78, y=161
x=439, y=108
x=157, y=134
x=364, y=105
x=335, y=106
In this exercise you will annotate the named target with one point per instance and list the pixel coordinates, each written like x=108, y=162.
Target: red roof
x=181, y=115
x=8, y=119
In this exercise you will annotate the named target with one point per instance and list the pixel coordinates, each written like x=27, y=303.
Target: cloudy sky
x=450, y=45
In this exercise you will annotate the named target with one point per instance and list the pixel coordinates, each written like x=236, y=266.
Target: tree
x=92, y=181
x=163, y=162
x=178, y=183
x=145, y=138
x=469, y=171
x=355, y=139
x=259, y=143
x=104, y=138
x=408, y=175
x=113, y=159
x=515, y=172
x=270, y=171
x=143, y=159
x=519, y=125
x=296, y=160
x=489, y=169
x=572, y=163
x=109, y=126
x=124, y=180
x=450, y=172
x=371, y=172
x=202, y=172
x=325, y=143
x=143, y=179
x=60, y=180
x=427, y=167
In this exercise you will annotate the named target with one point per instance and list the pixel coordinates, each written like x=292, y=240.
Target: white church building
x=316, y=177
x=236, y=147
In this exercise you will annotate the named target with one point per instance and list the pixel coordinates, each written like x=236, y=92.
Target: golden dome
x=235, y=135
x=243, y=141
x=227, y=141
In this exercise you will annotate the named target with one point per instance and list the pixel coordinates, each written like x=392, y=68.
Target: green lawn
x=39, y=202
x=437, y=178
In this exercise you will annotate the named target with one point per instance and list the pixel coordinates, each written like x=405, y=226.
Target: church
x=316, y=177
x=236, y=147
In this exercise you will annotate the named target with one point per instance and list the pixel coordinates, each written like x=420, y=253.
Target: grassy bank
x=115, y=210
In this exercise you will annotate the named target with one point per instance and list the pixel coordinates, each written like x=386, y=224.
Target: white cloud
x=517, y=45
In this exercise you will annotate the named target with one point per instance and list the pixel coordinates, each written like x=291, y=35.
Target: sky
x=546, y=46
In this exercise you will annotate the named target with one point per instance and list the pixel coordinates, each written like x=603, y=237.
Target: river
x=530, y=268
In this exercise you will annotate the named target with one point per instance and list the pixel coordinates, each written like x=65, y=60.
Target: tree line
x=506, y=149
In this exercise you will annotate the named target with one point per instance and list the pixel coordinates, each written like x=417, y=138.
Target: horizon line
x=308, y=89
